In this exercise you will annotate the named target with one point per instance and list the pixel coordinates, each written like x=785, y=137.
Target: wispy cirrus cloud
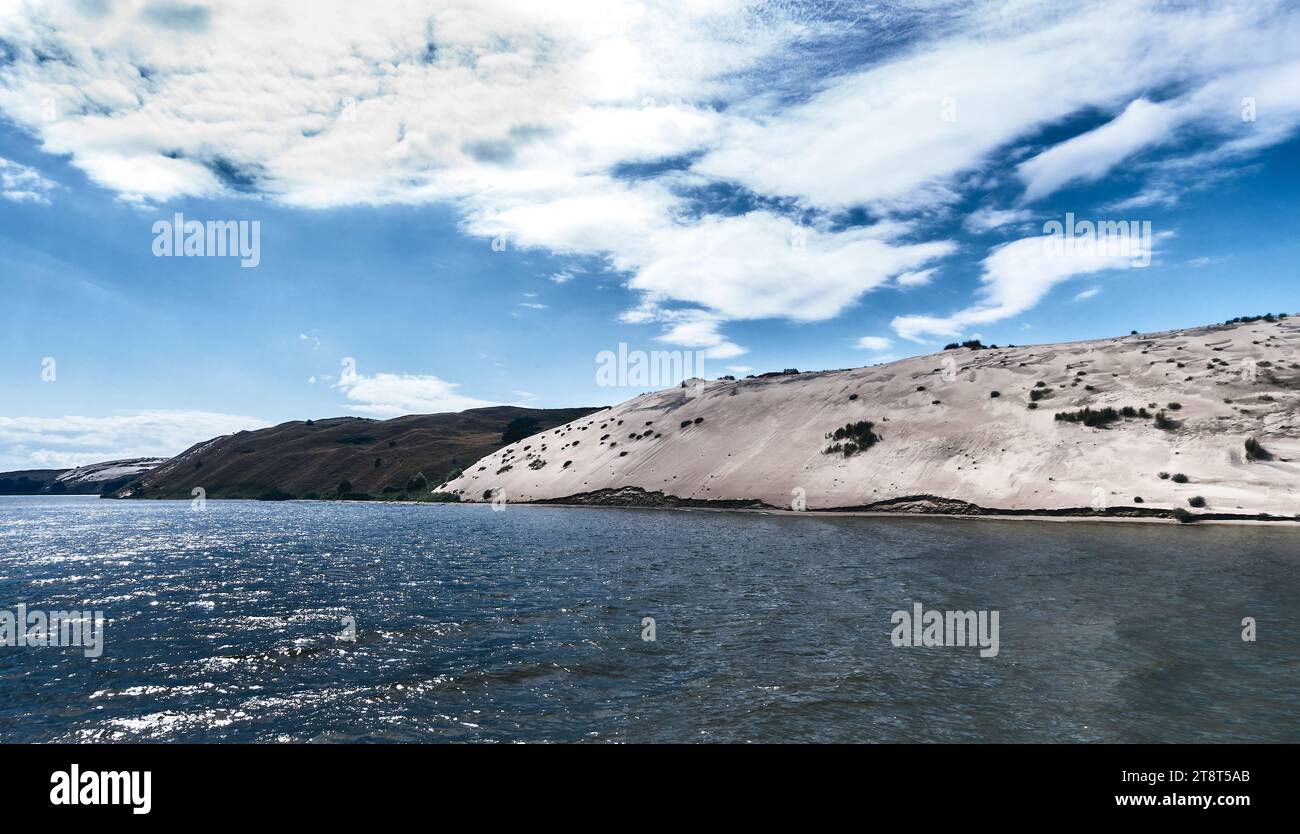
x=1015, y=277
x=602, y=129
x=23, y=184
x=392, y=395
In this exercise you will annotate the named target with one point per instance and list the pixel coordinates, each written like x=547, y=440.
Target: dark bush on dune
x=1163, y=422
x=519, y=428
x=852, y=438
x=1254, y=451
x=1094, y=418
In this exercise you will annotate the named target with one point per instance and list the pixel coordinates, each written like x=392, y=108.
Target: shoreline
x=1044, y=515
x=1054, y=516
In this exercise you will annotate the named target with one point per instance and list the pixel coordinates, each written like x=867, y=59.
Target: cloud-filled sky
x=469, y=200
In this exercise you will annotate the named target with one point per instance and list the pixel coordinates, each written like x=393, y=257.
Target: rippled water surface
x=525, y=625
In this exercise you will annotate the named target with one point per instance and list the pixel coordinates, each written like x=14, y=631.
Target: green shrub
x=1196, y=501
x=852, y=438
x=1180, y=478
x=1093, y=418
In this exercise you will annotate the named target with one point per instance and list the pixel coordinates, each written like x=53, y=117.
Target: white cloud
x=880, y=136
x=1091, y=292
x=1015, y=277
x=392, y=395
x=1090, y=156
x=873, y=343
x=987, y=219
x=915, y=278
x=696, y=329
x=56, y=442
x=760, y=265
x=520, y=114
x=23, y=184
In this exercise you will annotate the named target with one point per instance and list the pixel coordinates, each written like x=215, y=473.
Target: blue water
x=525, y=625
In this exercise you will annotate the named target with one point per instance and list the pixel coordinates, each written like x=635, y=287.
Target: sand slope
x=762, y=441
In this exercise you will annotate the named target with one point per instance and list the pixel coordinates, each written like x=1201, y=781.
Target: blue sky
x=775, y=185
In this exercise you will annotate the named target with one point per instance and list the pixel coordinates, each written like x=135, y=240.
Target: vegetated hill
x=92, y=479
x=309, y=459
x=1203, y=421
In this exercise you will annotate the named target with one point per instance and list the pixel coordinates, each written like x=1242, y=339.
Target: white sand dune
x=945, y=440
x=110, y=470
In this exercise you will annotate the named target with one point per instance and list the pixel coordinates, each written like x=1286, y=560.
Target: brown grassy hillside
x=309, y=459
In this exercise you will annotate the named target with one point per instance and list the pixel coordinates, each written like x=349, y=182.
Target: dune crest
x=1151, y=424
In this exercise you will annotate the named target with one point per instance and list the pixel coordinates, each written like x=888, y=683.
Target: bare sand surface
x=960, y=432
